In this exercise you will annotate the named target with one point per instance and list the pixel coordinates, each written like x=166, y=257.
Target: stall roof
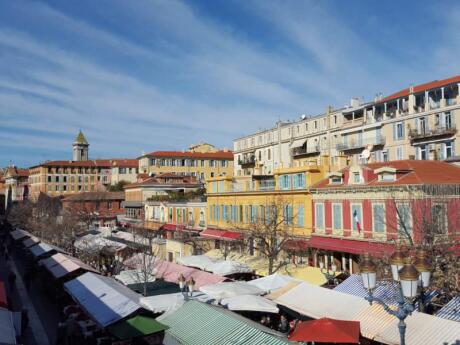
x=272, y=282
x=94, y=243
x=451, y=310
x=59, y=265
x=44, y=248
x=128, y=277
x=422, y=329
x=135, y=327
x=31, y=241
x=228, y=267
x=198, y=323
x=202, y=262
x=7, y=331
x=230, y=289
x=250, y=303
x=19, y=233
x=104, y=299
x=170, y=272
x=171, y=302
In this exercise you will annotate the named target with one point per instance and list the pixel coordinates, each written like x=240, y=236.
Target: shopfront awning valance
x=350, y=246
x=221, y=234
x=298, y=143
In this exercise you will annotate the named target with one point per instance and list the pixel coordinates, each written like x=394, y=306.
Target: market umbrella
x=327, y=330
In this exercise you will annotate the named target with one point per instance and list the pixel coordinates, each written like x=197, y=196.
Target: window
x=439, y=218
x=287, y=214
x=385, y=156
x=337, y=216
x=335, y=119
x=386, y=177
x=319, y=216
x=64, y=178
x=300, y=215
x=269, y=154
x=399, y=153
x=398, y=131
x=316, y=125
x=122, y=170
x=335, y=180
x=356, y=217
x=221, y=186
x=110, y=205
x=223, y=164
x=448, y=120
x=378, y=218
x=224, y=213
x=306, y=127
x=356, y=177
x=448, y=149
x=254, y=216
x=214, y=187
x=422, y=152
x=285, y=181
x=299, y=181
x=404, y=219
x=241, y=214
x=49, y=178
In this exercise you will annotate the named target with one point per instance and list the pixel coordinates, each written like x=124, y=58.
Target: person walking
x=24, y=320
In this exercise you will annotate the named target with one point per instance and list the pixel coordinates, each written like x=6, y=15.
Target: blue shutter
x=395, y=134
x=300, y=215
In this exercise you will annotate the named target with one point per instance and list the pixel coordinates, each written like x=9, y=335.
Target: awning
x=230, y=289
x=298, y=143
x=296, y=245
x=351, y=246
x=31, y=241
x=96, y=243
x=60, y=265
x=200, y=323
x=220, y=234
x=272, y=282
x=104, y=299
x=44, y=248
x=326, y=330
x=170, y=272
x=7, y=331
x=3, y=297
x=136, y=276
x=202, y=262
x=451, y=310
x=250, y=303
x=227, y=267
x=18, y=234
x=136, y=327
x=171, y=302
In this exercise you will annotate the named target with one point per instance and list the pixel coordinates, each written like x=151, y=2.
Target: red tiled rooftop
x=188, y=154
x=127, y=163
x=414, y=172
x=103, y=163
x=157, y=180
x=422, y=87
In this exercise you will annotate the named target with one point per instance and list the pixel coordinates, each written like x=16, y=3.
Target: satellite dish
x=366, y=153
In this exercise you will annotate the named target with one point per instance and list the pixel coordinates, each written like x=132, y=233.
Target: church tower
x=80, y=148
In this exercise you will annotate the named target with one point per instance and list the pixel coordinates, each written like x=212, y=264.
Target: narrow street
x=41, y=309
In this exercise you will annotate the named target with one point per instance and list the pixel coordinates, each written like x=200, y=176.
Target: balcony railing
x=352, y=123
x=360, y=144
x=451, y=101
x=247, y=160
x=305, y=151
x=416, y=134
x=267, y=185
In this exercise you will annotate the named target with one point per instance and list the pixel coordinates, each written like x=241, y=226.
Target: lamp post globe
x=396, y=263
x=422, y=264
x=368, y=272
x=408, y=277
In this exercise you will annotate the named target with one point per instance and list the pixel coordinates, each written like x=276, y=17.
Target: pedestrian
x=27, y=280
x=24, y=320
x=283, y=326
x=6, y=253
x=263, y=320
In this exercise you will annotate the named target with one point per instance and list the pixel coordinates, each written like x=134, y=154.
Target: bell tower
x=80, y=148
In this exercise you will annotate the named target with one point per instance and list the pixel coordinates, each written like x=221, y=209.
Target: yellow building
x=240, y=202
x=202, y=161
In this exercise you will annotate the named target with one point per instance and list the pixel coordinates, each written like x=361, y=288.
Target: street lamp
x=325, y=270
x=408, y=278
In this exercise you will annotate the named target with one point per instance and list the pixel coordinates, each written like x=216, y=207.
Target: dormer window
x=356, y=177
x=335, y=178
x=386, y=174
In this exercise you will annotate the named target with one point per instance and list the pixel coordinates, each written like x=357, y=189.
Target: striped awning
x=197, y=323
x=451, y=310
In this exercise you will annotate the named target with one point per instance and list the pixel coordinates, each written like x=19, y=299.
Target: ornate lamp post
x=408, y=278
x=325, y=270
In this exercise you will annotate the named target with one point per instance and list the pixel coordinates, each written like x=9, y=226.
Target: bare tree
x=268, y=229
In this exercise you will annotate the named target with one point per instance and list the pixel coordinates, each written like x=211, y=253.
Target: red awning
x=326, y=331
x=3, y=299
x=351, y=246
x=220, y=234
x=169, y=227
x=296, y=245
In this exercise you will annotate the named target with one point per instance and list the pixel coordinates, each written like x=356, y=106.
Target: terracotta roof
x=13, y=171
x=80, y=138
x=94, y=196
x=188, y=154
x=422, y=87
x=128, y=163
x=98, y=163
x=409, y=172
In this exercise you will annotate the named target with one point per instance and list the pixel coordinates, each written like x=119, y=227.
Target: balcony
x=451, y=101
x=247, y=161
x=267, y=185
x=360, y=144
x=353, y=123
x=305, y=151
x=415, y=134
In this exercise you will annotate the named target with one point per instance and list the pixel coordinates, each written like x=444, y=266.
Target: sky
x=146, y=75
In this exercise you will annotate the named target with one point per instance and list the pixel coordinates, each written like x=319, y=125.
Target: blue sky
x=146, y=75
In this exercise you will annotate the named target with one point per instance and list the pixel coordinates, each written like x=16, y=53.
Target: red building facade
x=371, y=208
